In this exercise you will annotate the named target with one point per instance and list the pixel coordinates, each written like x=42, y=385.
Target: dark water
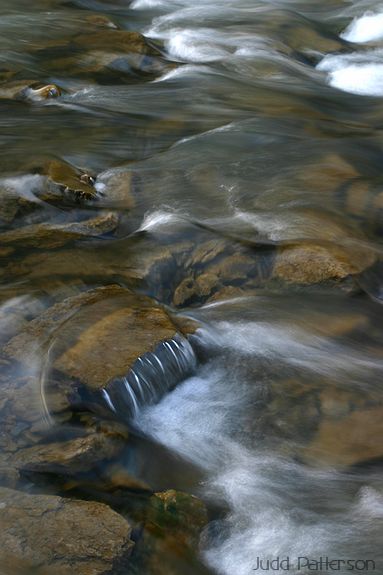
x=253, y=135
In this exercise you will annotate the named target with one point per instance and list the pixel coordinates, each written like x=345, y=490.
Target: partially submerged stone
x=28, y=90
x=66, y=178
x=80, y=454
x=55, y=536
x=103, y=340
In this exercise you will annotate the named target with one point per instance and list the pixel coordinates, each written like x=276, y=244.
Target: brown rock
x=46, y=236
x=347, y=439
x=69, y=179
x=28, y=90
x=110, y=345
x=76, y=455
x=102, y=334
x=105, y=50
x=195, y=289
x=115, y=41
x=59, y=536
x=311, y=263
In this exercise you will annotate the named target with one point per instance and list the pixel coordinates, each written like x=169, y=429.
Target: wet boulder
x=52, y=535
x=119, y=348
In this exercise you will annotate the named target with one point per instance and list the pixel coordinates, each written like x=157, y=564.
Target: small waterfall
x=152, y=376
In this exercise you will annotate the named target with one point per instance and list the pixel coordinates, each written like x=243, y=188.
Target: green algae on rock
x=170, y=534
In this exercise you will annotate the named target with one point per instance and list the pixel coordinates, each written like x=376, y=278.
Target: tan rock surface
x=56, y=536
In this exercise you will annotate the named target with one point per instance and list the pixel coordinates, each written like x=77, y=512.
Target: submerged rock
x=179, y=513
x=312, y=263
x=105, y=50
x=170, y=536
x=348, y=435
x=47, y=236
x=52, y=535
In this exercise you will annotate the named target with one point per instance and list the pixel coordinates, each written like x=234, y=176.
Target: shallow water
x=239, y=172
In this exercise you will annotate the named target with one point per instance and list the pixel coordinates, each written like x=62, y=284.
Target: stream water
x=241, y=168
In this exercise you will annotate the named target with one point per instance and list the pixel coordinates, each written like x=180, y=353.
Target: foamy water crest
x=359, y=72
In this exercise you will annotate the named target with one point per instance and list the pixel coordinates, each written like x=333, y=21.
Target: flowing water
x=238, y=182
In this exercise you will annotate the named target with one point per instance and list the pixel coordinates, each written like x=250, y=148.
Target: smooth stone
x=95, y=339
x=76, y=455
x=99, y=262
x=55, y=536
x=326, y=174
x=47, y=236
x=109, y=346
x=311, y=263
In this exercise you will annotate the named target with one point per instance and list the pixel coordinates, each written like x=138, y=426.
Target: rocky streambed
x=190, y=288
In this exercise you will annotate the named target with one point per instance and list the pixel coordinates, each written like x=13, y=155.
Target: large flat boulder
x=104, y=336
x=55, y=536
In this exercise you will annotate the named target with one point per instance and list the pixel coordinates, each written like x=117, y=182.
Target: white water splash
x=358, y=73
x=277, y=508
x=367, y=28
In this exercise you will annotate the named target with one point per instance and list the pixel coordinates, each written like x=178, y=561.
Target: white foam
x=358, y=73
x=370, y=503
x=143, y=4
x=23, y=186
x=270, y=499
x=367, y=28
